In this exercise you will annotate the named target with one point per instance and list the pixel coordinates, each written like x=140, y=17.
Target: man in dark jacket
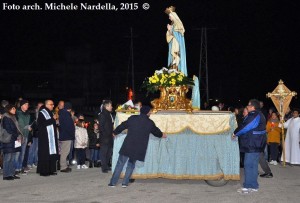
x=66, y=135
x=24, y=120
x=252, y=135
x=106, y=134
x=135, y=144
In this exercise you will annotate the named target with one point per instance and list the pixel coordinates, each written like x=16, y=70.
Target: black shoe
x=111, y=185
x=44, y=174
x=109, y=169
x=267, y=175
x=8, y=178
x=53, y=174
x=97, y=164
x=91, y=164
x=66, y=170
x=16, y=177
x=124, y=186
x=131, y=180
x=104, y=171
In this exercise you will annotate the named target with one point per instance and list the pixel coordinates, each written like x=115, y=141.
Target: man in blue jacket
x=252, y=135
x=66, y=135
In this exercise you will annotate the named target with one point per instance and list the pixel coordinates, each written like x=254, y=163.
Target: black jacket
x=105, y=128
x=252, y=133
x=136, y=142
x=10, y=126
x=66, y=126
x=93, y=139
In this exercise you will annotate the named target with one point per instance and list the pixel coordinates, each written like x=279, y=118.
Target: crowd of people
x=260, y=139
x=49, y=138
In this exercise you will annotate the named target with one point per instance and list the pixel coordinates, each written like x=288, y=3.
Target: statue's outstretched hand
x=169, y=27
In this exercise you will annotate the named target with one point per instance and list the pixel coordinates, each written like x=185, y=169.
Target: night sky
x=251, y=44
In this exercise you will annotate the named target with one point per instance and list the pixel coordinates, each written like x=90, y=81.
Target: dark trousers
x=274, y=150
x=263, y=163
x=105, y=155
x=80, y=154
x=25, y=160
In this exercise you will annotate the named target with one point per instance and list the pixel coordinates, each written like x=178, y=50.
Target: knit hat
x=68, y=105
x=145, y=109
x=23, y=101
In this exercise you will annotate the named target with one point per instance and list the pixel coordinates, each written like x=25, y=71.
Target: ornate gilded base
x=172, y=98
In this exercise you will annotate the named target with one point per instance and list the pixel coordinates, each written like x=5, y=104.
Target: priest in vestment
x=292, y=145
x=47, y=140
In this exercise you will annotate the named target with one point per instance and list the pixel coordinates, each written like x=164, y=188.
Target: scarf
x=14, y=119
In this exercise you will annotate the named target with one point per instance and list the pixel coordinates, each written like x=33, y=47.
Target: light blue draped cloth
x=187, y=155
x=196, y=94
x=182, y=63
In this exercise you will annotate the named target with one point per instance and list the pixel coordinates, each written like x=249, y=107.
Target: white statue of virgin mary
x=175, y=39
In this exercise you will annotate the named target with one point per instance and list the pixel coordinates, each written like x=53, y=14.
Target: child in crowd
x=94, y=146
x=81, y=141
x=274, y=133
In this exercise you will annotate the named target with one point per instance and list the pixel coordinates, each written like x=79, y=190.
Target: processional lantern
x=281, y=97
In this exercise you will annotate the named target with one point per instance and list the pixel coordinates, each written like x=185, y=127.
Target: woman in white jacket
x=81, y=142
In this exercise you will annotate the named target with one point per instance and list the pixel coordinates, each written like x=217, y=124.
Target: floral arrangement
x=166, y=78
x=127, y=107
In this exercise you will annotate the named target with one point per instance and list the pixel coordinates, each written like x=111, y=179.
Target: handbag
x=5, y=137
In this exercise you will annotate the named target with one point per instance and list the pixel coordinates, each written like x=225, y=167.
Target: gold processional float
x=172, y=98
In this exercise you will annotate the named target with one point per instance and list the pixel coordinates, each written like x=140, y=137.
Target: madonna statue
x=175, y=39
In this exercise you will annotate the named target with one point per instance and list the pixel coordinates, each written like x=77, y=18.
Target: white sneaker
x=243, y=190
x=84, y=166
x=34, y=166
x=78, y=166
x=253, y=190
x=273, y=162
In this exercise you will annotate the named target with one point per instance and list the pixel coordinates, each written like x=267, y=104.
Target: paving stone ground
x=90, y=186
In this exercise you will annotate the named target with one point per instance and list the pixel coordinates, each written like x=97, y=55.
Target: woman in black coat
x=10, y=124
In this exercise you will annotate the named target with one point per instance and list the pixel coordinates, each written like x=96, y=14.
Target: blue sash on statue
x=182, y=63
x=50, y=132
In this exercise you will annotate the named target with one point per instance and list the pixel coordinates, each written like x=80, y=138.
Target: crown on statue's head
x=170, y=10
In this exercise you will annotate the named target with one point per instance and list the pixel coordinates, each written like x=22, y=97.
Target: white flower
x=158, y=72
x=172, y=71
